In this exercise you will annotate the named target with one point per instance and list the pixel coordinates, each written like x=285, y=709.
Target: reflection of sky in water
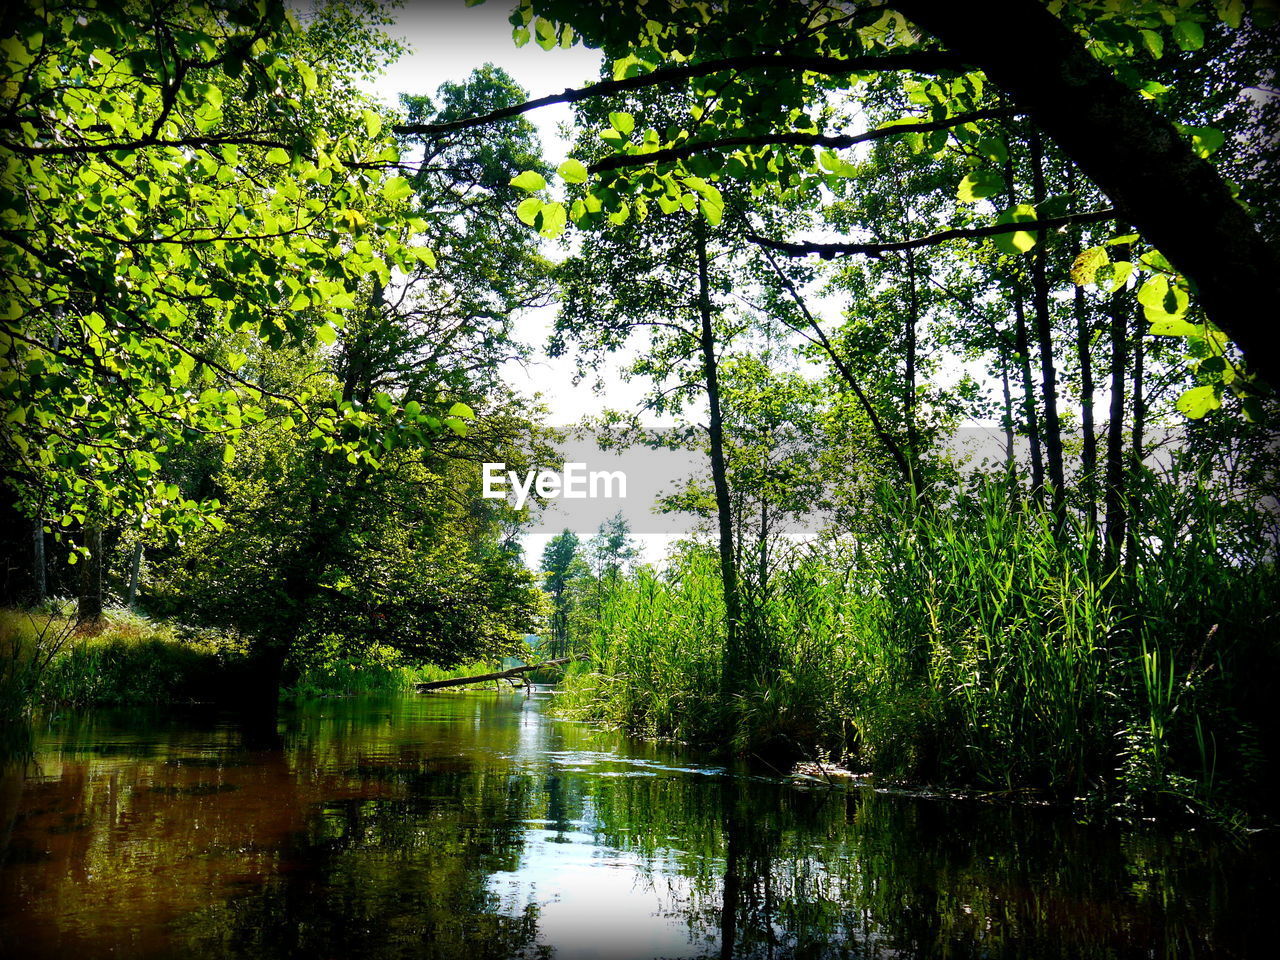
x=476, y=825
x=591, y=899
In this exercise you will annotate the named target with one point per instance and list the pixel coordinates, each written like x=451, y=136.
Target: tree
x=562, y=562
x=762, y=75
x=181, y=184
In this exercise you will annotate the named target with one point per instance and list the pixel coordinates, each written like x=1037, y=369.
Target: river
x=477, y=825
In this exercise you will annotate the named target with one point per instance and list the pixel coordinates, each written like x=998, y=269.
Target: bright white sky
x=447, y=41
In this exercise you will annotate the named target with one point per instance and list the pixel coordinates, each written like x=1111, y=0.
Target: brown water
x=475, y=825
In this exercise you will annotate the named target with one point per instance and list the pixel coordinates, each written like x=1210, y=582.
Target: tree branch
x=829, y=250
x=791, y=139
x=922, y=62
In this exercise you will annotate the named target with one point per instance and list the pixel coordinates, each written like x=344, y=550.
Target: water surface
x=476, y=825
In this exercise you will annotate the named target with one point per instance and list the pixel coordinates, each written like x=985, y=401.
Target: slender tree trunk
x=763, y=546
x=1044, y=334
x=1089, y=438
x=1114, y=494
x=1023, y=346
x=909, y=406
x=1084, y=345
x=38, y=561
x=1138, y=441
x=135, y=571
x=89, y=607
x=734, y=657
x=1010, y=465
x=819, y=336
x=1029, y=412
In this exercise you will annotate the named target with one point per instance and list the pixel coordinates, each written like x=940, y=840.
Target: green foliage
x=183, y=186
x=53, y=660
x=973, y=645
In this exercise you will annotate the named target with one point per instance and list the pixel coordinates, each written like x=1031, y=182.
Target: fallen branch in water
x=499, y=675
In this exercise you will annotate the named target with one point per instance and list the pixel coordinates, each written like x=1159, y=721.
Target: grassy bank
x=50, y=660
x=53, y=660
x=973, y=646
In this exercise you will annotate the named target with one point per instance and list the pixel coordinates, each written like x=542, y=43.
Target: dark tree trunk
x=135, y=572
x=38, y=560
x=734, y=657
x=1084, y=346
x=1010, y=464
x=909, y=404
x=90, y=604
x=1030, y=415
x=1044, y=336
x=1138, y=442
x=1114, y=494
x=1148, y=170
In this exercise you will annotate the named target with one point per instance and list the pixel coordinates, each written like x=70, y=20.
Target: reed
x=977, y=644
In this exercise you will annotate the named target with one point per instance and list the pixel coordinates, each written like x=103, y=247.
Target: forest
x=973, y=297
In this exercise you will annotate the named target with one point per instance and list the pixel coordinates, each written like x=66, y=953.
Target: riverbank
x=975, y=648
x=477, y=825
x=50, y=660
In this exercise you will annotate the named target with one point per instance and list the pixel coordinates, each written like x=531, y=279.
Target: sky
x=448, y=40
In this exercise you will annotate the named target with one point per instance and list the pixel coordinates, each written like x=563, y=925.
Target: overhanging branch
x=828, y=250
x=921, y=62
x=791, y=139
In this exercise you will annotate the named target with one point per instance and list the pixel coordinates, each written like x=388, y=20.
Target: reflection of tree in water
x=389, y=878
x=785, y=872
x=358, y=831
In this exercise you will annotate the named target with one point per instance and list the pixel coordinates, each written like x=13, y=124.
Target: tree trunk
x=1138, y=441
x=1084, y=346
x=1139, y=159
x=89, y=607
x=38, y=561
x=1029, y=413
x=135, y=571
x=1010, y=463
x=1044, y=336
x=734, y=657
x=1023, y=345
x=1114, y=494
x=909, y=405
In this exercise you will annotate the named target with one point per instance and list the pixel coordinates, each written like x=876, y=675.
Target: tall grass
x=977, y=645
x=54, y=659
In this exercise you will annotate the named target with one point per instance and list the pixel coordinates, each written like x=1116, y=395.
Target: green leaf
x=1173, y=328
x=713, y=210
x=396, y=188
x=1205, y=140
x=228, y=453
x=372, y=122
x=529, y=180
x=1086, y=265
x=462, y=410
x=1022, y=240
x=624, y=123
x=1198, y=401
x=1154, y=43
x=326, y=334
x=528, y=210
x=1188, y=35
x=1162, y=300
x=277, y=155
x=572, y=171
x=554, y=218
x=1112, y=276
x=979, y=184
